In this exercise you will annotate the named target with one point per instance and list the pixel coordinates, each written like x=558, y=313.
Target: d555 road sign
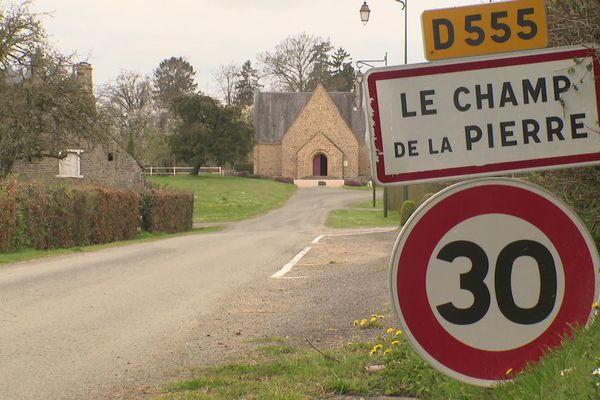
x=481, y=116
x=489, y=274
x=484, y=29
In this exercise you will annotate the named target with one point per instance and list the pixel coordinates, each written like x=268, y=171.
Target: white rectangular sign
x=484, y=116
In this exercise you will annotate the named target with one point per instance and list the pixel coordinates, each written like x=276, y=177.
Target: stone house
x=317, y=135
x=106, y=164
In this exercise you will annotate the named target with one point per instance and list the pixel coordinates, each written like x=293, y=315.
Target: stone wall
x=364, y=160
x=121, y=170
x=267, y=159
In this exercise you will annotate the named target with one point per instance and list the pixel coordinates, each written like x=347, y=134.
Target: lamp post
x=365, y=12
x=359, y=79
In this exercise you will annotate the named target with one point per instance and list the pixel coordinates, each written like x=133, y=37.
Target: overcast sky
x=135, y=35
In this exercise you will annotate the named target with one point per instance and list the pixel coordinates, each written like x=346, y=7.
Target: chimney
x=83, y=72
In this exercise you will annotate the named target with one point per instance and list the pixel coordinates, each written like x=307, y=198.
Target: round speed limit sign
x=488, y=274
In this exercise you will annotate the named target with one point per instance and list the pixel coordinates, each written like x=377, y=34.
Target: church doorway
x=320, y=165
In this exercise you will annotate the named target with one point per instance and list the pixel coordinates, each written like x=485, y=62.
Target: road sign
x=483, y=116
x=484, y=29
x=488, y=274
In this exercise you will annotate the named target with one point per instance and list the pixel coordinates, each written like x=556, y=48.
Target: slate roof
x=274, y=114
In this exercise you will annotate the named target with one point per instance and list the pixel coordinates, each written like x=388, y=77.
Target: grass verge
x=362, y=215
x=388, y=366
x=228, y=198
x=32, y=254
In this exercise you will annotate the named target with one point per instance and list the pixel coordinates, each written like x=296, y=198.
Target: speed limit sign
x=488, y=274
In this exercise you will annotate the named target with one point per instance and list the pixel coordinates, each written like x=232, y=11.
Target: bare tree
x=131, y=92
x=575, y=22
x=43, y=106
x=293, y=61
x=227, y=77
x=21, y=36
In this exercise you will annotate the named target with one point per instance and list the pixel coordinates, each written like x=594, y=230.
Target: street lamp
x=359, y=79
x=364, y=13
x=364, y=17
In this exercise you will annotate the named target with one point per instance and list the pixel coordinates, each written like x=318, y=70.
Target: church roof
x=275, y=112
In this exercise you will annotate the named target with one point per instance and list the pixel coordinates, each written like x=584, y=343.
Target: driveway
x=94, y=325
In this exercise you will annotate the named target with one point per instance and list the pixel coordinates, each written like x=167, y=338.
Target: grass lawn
x=220, y=199
x=387, y=366
x=362, y=215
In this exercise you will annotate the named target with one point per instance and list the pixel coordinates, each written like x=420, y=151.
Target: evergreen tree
x=342, y=72
x=248, y=82
x=174, y=77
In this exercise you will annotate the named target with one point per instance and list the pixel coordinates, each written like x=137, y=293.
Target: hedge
x=56, y=216
x=167, y=211
x=47, y=217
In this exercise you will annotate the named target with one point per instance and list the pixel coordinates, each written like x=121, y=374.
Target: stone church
x=310, y=136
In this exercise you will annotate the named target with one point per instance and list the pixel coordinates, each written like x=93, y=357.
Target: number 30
x=473, y=281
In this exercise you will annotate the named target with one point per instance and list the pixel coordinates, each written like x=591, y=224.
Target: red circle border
x=492, y=198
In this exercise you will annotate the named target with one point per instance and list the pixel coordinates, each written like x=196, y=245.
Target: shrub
x=284, y=179
x=352, y=182
x=407, y=209
x=167, y=211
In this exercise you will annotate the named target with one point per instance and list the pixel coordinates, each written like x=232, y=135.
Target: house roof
x=274, y=114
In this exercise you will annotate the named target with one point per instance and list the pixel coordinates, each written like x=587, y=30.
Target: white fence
x=181, y=170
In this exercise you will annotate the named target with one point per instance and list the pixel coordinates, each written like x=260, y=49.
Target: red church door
x=320, y=165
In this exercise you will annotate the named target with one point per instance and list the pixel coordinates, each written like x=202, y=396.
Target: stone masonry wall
x=364, y=160
x=267, y=159
x=123, y=171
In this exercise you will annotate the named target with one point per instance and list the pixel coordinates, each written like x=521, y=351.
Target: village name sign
x=487, y=274
x=478, y=116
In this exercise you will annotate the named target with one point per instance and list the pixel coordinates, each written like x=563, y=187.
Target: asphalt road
x=85, y=325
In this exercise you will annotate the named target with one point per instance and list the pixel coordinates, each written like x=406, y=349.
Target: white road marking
x=316, y=240
x=288, y=267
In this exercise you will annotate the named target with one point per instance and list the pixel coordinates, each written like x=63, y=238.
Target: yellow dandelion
x=381, y=316
x=395, y=342
x=373, y=319
x=398, y=333
x=389, y=330
x=355, y=322
x=508, y=371
x=374, y=315
x=388, y=351
x=373, y=351
x=363, y=322
x=596, y=305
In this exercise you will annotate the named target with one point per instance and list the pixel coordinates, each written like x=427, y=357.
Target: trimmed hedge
x=8, y=213
x=48, y=217
x=56, y=216
x=167, y=211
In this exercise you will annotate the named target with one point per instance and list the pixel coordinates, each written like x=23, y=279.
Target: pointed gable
x=320, y=116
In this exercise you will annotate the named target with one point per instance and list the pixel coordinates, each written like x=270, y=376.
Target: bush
x=407, y=209
x=352, y=182
x=166, y=211
x=284, y=179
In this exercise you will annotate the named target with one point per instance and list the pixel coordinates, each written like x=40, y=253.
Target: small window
x=110, y=157
x=70, y=166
